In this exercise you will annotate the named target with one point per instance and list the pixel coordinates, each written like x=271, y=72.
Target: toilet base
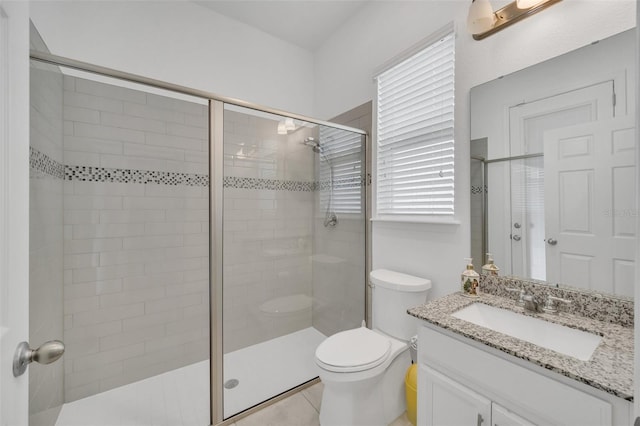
x=374, y=401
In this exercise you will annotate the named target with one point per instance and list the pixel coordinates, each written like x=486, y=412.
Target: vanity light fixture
x=482, y=21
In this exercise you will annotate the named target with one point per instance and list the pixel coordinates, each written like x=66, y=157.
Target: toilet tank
x=393, y=293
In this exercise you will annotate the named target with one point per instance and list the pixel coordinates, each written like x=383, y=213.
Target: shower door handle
x=46, y=353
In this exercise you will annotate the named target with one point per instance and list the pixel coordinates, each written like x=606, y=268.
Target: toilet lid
x=353, y=350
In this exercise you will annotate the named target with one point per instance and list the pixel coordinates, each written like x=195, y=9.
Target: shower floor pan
x=181, y=396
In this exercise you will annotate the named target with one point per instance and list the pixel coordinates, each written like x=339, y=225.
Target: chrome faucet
x=550, y=305
x=525, y=300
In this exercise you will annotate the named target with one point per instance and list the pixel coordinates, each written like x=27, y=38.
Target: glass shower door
x=293, y=249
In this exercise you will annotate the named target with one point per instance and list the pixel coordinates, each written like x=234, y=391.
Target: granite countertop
x=610, y=368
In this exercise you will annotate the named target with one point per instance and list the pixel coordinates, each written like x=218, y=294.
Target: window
x=415, y=140
x=341, y=180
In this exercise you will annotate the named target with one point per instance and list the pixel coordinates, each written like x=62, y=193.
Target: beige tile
x=293, y=411
x=313, y=394
x=401, y=421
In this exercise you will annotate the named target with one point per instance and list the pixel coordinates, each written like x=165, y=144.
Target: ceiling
x=306, y=23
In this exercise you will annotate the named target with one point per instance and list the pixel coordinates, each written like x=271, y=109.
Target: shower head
x=313, y=143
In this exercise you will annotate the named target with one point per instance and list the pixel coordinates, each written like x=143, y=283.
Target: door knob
x=47, y=353
x=516, y=238
x=552, y=242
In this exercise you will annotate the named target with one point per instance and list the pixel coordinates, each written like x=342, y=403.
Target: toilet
x=363, y=370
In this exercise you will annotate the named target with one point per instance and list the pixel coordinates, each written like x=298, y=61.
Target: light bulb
x=282, y=128
x=481, y=17
x=289, y=124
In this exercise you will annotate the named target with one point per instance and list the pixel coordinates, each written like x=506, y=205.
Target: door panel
x=590, y=200
x=14, y=214
x=527, y=126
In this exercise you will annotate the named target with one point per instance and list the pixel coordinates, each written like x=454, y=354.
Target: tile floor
x=300, y=409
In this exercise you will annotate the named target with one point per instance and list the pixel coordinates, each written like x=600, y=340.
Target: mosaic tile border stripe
x=271, y=184
x=41, y=162
x=107, y=174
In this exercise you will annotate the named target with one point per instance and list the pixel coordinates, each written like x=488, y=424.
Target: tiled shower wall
x=267, y=229
x=136, y=257
x=45, y=238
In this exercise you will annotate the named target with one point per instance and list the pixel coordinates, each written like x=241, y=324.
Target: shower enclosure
x=190, y=251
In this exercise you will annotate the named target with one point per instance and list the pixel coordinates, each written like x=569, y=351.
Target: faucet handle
x=550, y=306
x=521, y=294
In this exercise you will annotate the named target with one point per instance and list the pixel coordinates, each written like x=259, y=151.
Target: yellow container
x=411, y=389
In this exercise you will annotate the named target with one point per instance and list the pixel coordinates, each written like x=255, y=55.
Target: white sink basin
x=566, y=340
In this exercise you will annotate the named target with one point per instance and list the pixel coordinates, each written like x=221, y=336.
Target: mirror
x=553, y=169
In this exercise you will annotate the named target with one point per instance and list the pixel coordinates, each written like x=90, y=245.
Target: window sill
x=431, y=220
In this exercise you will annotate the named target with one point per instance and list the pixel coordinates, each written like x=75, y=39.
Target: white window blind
x=341, y=173
x=415, y=144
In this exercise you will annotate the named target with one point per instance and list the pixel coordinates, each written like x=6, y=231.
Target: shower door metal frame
x=216, y=134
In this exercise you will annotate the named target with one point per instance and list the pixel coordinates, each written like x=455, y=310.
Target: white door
x=14, y=205
x=590, y=193
x=500, y=416
x=451, y=404
x=527, y=125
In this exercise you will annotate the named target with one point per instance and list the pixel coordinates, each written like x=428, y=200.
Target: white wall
x=183, y=43
x=382, y=30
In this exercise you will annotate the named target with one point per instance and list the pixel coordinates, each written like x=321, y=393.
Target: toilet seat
x=353, y=350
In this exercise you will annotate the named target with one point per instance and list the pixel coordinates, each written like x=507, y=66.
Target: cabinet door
x=500, y=416
x=448, y=403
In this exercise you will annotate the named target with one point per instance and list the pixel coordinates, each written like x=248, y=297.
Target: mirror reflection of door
x=590, y=221
x=528, y=123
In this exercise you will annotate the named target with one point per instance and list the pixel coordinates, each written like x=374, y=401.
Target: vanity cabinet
x=451, y=403
x=464, y=382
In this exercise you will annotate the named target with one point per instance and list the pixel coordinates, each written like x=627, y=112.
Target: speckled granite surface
x=610, y=368
x=586, y=303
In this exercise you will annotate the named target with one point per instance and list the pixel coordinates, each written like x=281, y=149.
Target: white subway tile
x=87, y=159
x=196, y=239
x=148, y=111
x=131, y=216
x=83, y=304
x=85, y=202
x=106, y=357
x=176, y=191
x=92, y=245
x=147, y=151
x=81, y=114
x=188, y=215
x=150, y=319
x=77, y=261
x=131, y=296
x=153, y=203
x=173, y=141
x=131, y=122
x=135, y=163
x=131, y=256
x=170, y=265
x=181, y=339
x=78, y=333
x=172, y=303
x=102, y=273
x=154, y=280
x=109, y=91
x=108, y=188
x=108, y=230
x=187, y=167
x=132, y=337
x=103, y=315
x=76, y=379
x=188, y=251
x=197, y=274
x=176, y=104
x=84, y=100
x=201, y=287
x=74, y=217
x=152, y=241
x=106, y=132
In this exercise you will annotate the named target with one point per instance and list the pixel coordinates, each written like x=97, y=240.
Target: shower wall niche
x=136, y=248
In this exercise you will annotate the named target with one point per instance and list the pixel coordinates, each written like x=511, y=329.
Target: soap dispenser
x=490, y=268
x=470, y=280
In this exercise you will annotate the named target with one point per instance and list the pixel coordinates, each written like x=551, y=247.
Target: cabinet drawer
x=512, y=385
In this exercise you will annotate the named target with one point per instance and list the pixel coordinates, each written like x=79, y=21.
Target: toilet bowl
x=362, y=369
